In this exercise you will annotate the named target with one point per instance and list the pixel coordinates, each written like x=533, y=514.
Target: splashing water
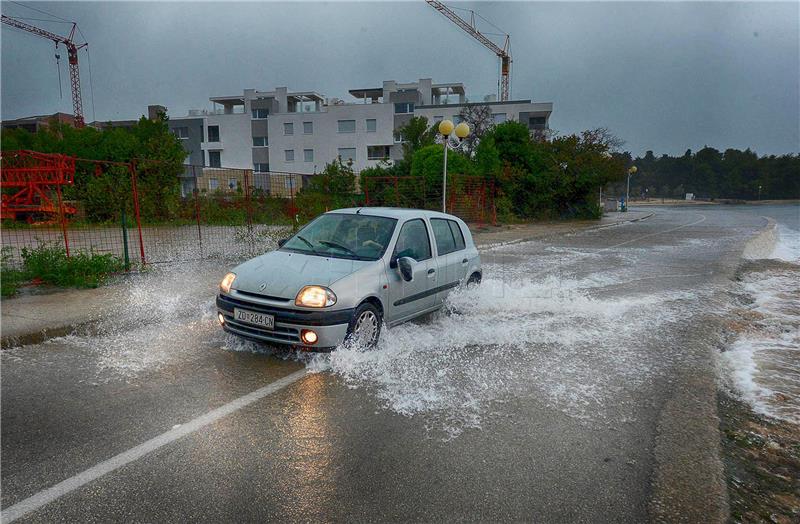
x=762, y=366
x=568, y=343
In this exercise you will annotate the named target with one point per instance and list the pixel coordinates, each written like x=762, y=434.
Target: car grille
x=280, y=333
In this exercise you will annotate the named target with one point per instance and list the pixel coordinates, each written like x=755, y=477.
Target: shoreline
x=760, y=453
x=761, y=456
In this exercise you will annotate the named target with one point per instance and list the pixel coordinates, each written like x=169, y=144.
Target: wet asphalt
x=324, y=448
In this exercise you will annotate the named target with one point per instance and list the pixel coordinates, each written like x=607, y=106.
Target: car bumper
x=330, y=326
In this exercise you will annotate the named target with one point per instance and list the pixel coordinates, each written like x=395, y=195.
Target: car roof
x=401, y=213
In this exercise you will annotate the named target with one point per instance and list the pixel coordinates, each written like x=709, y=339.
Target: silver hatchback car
x=347, y=273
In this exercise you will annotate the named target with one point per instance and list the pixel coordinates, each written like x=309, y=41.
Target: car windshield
x=360, y=237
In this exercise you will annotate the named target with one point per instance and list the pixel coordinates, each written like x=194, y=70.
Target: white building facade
x=300, y=132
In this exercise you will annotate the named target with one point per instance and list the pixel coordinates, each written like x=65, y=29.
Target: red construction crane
x=504, y=53
x=72, y=53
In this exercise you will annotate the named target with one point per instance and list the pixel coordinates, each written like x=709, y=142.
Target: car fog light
x=221, y=319
x=308, y=336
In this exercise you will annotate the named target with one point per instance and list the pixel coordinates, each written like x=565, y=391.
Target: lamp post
x=759, y=191
x=446, y=129
x=631, y=171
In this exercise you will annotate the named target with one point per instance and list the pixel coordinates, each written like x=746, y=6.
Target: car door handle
x=464, y=261
x=431, y=271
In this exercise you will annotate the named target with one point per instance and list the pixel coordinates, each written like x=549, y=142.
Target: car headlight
x=315, y=296
x=227, y=282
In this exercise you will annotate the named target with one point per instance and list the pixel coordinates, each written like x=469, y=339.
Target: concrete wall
x=235, y=140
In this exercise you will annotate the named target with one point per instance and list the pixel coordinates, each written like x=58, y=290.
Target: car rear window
x=458, y=234
x=448, y=236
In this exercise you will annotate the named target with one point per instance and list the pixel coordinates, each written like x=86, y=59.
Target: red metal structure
x=72, y=54
x=503, y=53
x=35, y=177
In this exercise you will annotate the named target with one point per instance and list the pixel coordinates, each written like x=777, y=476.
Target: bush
x=51, y=265
x=11, y=277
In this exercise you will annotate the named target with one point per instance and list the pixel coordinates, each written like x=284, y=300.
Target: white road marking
x=48, y=495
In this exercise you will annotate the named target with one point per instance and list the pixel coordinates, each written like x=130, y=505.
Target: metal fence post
x=132, y=169
x=63, y=220
x=124, y=224
x=196, y=192
x=249, y=211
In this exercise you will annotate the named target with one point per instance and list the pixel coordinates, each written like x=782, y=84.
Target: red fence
x=470, y=198
x=126, y=209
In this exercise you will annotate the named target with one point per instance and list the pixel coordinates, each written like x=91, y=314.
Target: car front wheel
x=365, y=326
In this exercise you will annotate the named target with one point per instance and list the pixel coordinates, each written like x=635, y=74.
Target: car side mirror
x=406, y=267
x=282, y=241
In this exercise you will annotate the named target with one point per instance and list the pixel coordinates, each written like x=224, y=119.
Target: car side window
x=457, y=234
x=445, y=243
x=413, y=241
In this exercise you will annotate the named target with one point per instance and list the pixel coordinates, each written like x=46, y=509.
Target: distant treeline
x=710, y=173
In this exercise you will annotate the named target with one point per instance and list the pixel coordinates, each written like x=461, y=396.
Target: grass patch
x=51, y=265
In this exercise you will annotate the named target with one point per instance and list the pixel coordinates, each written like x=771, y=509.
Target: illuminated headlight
x=227, y=282
x=315, y=296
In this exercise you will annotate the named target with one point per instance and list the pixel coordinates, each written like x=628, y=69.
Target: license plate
x=251, y=317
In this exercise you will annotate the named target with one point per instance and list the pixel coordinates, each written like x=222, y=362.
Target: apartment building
x=299, y=132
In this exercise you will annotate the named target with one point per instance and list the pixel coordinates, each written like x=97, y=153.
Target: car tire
x=474, y=279
x=365, y=326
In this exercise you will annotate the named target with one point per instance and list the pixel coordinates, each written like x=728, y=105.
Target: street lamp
x=446, y=129
x=632, y=171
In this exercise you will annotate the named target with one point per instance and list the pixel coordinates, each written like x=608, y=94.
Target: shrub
x=51, y=265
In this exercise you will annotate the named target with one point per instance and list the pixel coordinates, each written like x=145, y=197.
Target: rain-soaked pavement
x=572, y=385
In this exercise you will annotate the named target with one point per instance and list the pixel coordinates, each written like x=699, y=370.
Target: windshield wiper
x=309, y=244
x=338, y=245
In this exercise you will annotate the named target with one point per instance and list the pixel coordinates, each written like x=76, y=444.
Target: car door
x=408, y=299
x=450, y=255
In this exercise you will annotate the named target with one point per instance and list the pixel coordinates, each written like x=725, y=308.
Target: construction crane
x=72, y=54
x=504, y=53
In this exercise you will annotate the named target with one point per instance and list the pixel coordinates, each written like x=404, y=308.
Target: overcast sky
x=662, y=76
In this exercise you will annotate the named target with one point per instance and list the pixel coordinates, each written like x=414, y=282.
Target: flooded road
x=573, y=384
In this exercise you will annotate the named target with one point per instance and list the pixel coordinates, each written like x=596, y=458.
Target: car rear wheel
x=365, y=326
x=474, y=279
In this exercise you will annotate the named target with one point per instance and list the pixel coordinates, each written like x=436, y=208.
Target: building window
x=213, y=184
x=213, y=133
x=372, y=125
x=404, y=107
x=232, y=184
x=347, y=153
x=288, y=128
x=377, y=152
x=260, y=168
x=214, y=159
x=537, y=122
x=260, y=141
x=347, y=126
x=308, y=155
x=181, y=132
x=260, y=114
x=288, y=155
x=499, y=118
x=308, y=128
x=398, y=137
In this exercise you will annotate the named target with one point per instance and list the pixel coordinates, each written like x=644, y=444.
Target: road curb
x=37, y=337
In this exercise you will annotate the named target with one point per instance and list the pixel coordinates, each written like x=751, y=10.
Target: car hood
x=284, y=273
